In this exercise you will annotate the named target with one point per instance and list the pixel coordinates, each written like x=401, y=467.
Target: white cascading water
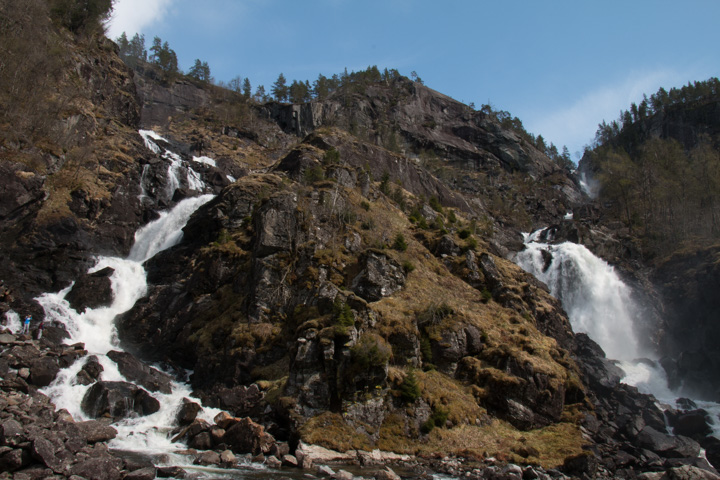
x=96, y=329
x=600, y=304
x=176, y=167
x=597, y=301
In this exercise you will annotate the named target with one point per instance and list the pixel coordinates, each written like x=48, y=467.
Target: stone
x=246, y=436
x=14, y=460
x=273, y=462
x=11, y=433
x=118, y=400
x=171, y=472
x=224, y=420
x=43, y=371
x=135, y=371
x=693, y=424
x=97, y=468
x=289, y=461
x=146, y=473
x=201, y=441
x=44, y=451
x=188, y=412
x=325, y=471
x=91, y=290
x=343, y=475
x=387, y=474
x=227, y=457
x=207, y=458
x=95, y=431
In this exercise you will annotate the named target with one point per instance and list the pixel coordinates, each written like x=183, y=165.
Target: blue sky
x=561, y=66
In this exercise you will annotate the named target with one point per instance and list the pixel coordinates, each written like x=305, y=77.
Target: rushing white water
x=96, y=329
x=176, y=168
x=600, y=304
x=596, y=299
x=12, y=321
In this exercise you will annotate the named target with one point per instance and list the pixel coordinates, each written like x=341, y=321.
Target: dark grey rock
x=135, y=371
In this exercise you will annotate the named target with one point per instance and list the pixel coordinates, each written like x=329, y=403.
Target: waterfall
x=175, y=169
x=96, y=329
x=596, y=299
x=600, y=304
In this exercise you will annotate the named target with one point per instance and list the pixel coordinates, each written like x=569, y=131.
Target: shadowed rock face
x=92, y=290
x=118, y=400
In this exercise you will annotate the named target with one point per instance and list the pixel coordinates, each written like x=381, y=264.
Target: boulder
x=247, y=436
x=208, y=458
x=94, y=431
x=380, y=276
x=693, y=423
x=43, y=371
x=90, y=371
x=667, y=445
x=147, y=473
x=188, y=412
x=135, y=371
x=118, y=400
x=91, y=290
x=103, y=467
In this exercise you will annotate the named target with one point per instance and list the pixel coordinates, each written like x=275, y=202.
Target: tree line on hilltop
x=658, y=167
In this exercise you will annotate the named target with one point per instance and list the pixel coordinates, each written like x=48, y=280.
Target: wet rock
x=188, y=412
x=90, y=371
x=380, y=276
x=208, y=458
x=135, y=371
x=171, y=472
x=147, y=473
x=118, y=400
x=387, y=474
x=693, y=423
x=91, y=290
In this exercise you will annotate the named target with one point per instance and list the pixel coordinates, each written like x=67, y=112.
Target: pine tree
x=280, y=89
x=246, y=88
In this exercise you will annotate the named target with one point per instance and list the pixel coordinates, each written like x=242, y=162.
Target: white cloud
x=575, y=125
x=132, y=16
